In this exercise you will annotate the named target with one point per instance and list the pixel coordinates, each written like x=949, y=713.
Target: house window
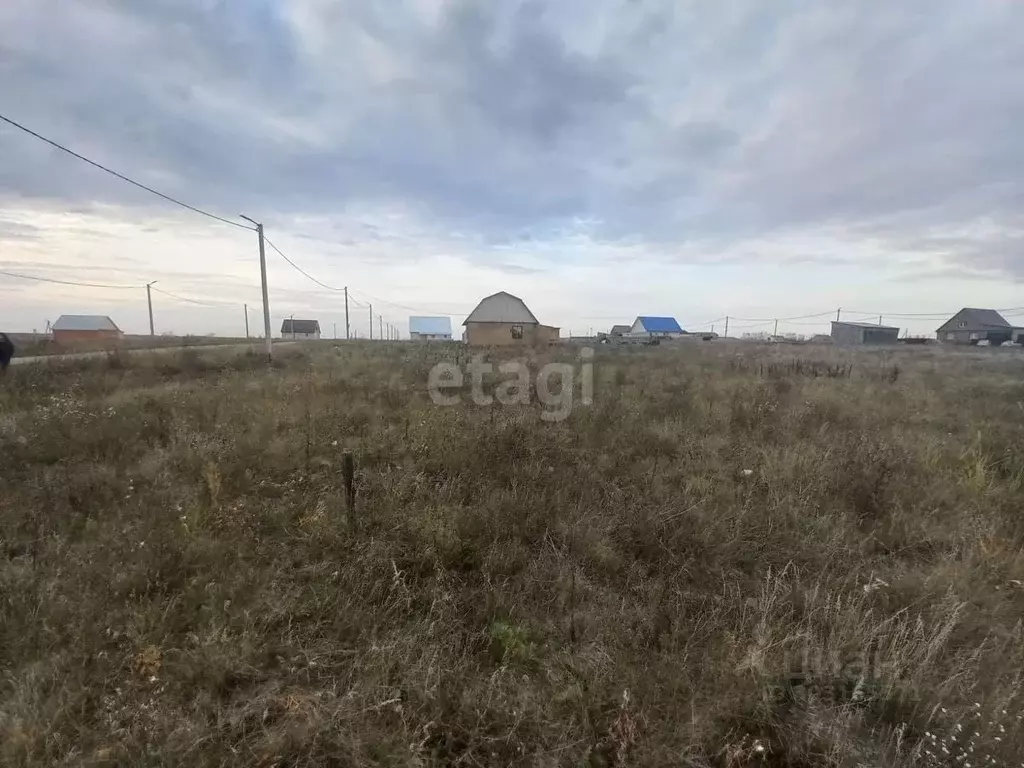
x=962, y=324
x=517, y=331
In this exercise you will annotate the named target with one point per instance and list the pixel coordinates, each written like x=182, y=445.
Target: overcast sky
x=599, y=158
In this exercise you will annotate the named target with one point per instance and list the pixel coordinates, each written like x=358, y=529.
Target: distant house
x=77, y=329
x=300, y=329
x=864, y=333
x=619, y=330
x=656, y=327
x=969, y=326
x=430, y=328
x=502, y=319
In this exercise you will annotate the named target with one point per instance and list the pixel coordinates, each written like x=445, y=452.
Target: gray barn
x=864, y=333
x=969, y=326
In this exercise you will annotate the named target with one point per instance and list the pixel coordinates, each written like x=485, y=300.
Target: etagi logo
x=515, y=389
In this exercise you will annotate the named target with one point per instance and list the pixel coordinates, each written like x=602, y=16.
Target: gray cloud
x=655, y=122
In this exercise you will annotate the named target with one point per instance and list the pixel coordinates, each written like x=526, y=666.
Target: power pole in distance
x=149, y=300
x=380, y=319
x=263, y=280
x=246, y=320
x=776, y=331
x=347, y=336
x=726, y=334
x=371, y=322
x=837, y=313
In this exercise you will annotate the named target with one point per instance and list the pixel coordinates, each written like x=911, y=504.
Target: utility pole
x=879, y=319
x=776, y=331
x=269, y=344
x=837, y=313
x=335, y=329
x=246, y=320
x=726, y=336
x=371, y=322
x=149, y=300
x=380, y=319
x=347, y=336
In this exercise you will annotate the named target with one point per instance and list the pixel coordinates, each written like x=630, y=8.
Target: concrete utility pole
x=776, y=331
x=879, y=319
x=149, y=300
x=335, y=329
x=246, y=320
x=837, y=313
x=380, y=319
x=263, y=280
x=371, y=322
x=347, y=336
x=726, y=334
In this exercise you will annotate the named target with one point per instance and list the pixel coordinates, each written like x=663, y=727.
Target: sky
x=601, y=159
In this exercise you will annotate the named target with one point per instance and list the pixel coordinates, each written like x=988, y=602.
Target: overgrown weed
x=732, y=558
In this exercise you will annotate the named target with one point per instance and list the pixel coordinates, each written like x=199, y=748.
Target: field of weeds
x=736, y=556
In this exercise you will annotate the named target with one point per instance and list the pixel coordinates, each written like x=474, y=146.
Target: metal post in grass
x=348, y=473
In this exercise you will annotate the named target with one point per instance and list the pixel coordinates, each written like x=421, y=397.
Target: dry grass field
x=739, y=555
x=36, y=345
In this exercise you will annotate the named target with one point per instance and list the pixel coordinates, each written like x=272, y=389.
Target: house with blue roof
x=656, y=327
x=430, y=328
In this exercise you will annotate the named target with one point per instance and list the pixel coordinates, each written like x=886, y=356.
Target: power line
x=403, y=306
x=351, y=291
x=925, y=315
x=782, y=319
x=709, y=322
x=753, y=325
x=121, y=176
x=192, y=301
x=298, y=268
x=65, y=282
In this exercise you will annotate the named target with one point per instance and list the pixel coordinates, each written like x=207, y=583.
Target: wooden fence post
x=348, y=471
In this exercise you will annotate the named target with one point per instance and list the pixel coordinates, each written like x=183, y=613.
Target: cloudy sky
x=599, y=158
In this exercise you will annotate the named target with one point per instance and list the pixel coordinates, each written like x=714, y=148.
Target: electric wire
x=121, y=176
x=65, y=282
